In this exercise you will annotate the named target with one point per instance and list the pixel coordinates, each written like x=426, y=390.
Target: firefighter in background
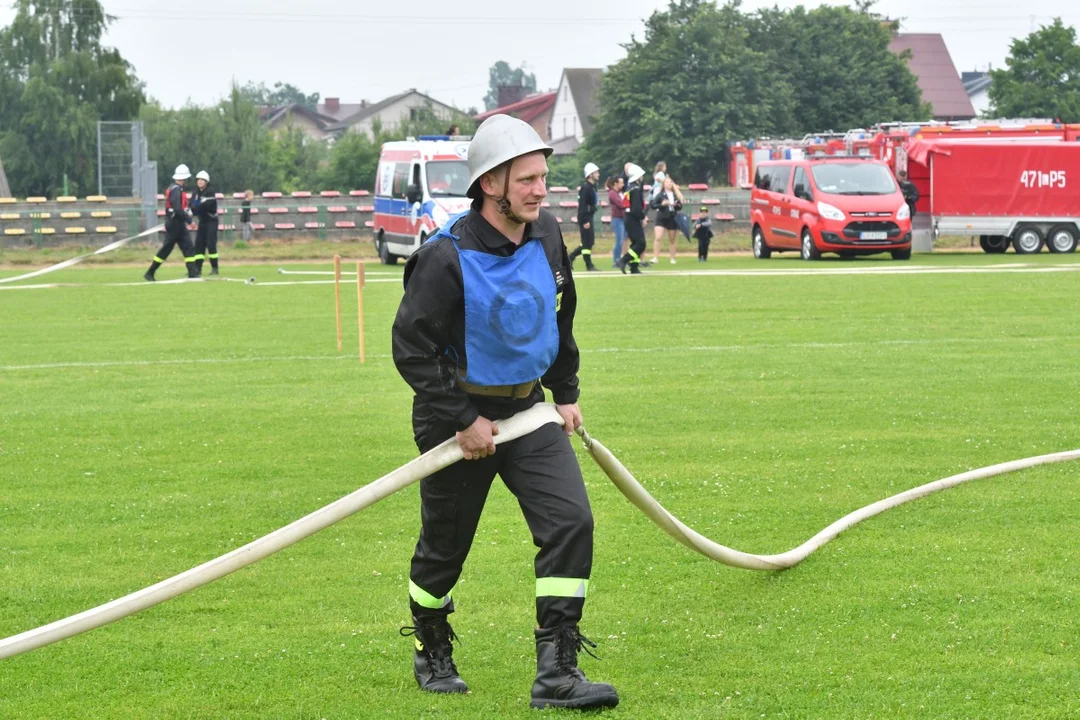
x=636, y=220
x=586, y=209
x=177, y=226
x=485, y=324
x=204, y=206
x=909, y=191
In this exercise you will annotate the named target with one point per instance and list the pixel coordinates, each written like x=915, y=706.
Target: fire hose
x=71, y=262
x=445, y=455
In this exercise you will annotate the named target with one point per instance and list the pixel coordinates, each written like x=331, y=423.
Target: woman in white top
x=659, y=173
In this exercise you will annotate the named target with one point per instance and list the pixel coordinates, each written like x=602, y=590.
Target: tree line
x=701, y=75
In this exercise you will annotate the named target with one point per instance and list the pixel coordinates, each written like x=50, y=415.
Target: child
x=245, y=215
x=703, y=232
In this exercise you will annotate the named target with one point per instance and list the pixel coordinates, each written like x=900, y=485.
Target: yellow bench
x=106, y=229
x=75, y=230
x=101, y=214
x=14, y=231
x=10, y=216
x=7, y=201
x=66, y=199
x=71, y=215
x=46, y=231
x=37, y=200
x=96, y=198
x=41, y=216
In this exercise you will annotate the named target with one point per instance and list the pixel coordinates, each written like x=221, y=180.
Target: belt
x=517, y=392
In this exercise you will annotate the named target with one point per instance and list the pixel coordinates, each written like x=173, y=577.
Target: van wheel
x=901, y=254
x=994, y=244
x=809, y=249
x=1062, y=239
x=385, y=256
x=761, y=250
x=1028, y=240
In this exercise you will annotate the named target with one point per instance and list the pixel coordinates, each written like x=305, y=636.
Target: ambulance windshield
x=853, y=178
x=448, y=178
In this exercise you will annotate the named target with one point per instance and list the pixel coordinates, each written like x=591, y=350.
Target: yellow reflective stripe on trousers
x=633, y=255
x=158, y=260
x=190, y=259
x=586, y=251
x=198, y=257
x=213, y=256
x=426, y=599
x=561, y=587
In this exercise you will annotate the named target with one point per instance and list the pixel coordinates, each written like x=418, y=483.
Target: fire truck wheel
x=901, y=254
x=1062, y=239
x=1027, y=240
x=809, y=249
x=761, y=250
x=385, y=256
x=994, y=244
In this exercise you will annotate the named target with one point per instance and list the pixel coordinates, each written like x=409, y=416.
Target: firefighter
x=636, y=219
x=177, y=226
x=204, y=206
x=485, y=325
x=909, y=191
x=586, y=209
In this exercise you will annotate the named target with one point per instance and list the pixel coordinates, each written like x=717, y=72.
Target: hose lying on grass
x=76, y=260
x=442, y=456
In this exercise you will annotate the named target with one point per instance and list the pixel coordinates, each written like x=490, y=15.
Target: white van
x=420, y=184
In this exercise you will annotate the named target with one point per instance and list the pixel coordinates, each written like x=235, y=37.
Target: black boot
x=589, y=265
x=623, y=262
x=193, y=270
x=574, y=255
x=433, y=661
x=559, y=681
x=635, y=268
x=149, y=274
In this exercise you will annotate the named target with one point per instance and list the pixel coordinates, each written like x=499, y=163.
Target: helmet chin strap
x=503, y=204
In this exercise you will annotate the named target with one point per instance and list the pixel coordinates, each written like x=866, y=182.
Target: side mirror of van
x=413, y=194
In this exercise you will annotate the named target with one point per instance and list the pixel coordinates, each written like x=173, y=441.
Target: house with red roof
x=534, y=109
x=939, y=81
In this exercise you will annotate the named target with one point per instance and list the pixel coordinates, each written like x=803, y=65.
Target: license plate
x=879, y=235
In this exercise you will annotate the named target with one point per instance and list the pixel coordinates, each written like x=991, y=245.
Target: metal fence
x=124, y=168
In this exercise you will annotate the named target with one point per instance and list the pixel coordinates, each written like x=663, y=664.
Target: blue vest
x=511, y=334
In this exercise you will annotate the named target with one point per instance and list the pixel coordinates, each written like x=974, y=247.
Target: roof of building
x=527, y=109
x=584, y=86
x=375, y=108
x=341, y=110
x=939, y=81
x=565, y=146
x=976, y=82
x=271, y=115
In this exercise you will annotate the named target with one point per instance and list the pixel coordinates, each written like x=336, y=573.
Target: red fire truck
x=1008, y=191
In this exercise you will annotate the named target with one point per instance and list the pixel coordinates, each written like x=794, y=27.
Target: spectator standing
x=246, y=230
x=668, y=202
x=659, y=173
x=703, y=233
x=617, y=203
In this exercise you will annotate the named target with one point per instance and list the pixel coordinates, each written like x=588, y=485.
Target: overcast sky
x=365, y=50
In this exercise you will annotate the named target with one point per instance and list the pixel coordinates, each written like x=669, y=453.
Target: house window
x=412, y=114
x=564, y=127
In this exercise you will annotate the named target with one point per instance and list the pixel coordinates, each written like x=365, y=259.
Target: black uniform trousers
x=176, y=233
x=635, y=231
x=703, y=246
x=206, y=242
x=588, y=238
x=542, y=472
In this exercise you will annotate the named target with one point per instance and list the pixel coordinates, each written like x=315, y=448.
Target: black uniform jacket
x=586, y=203
x=429, y=330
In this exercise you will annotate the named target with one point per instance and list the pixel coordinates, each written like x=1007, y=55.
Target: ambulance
x=420, y=184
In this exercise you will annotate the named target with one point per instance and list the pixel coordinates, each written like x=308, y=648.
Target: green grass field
x=147, y=429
